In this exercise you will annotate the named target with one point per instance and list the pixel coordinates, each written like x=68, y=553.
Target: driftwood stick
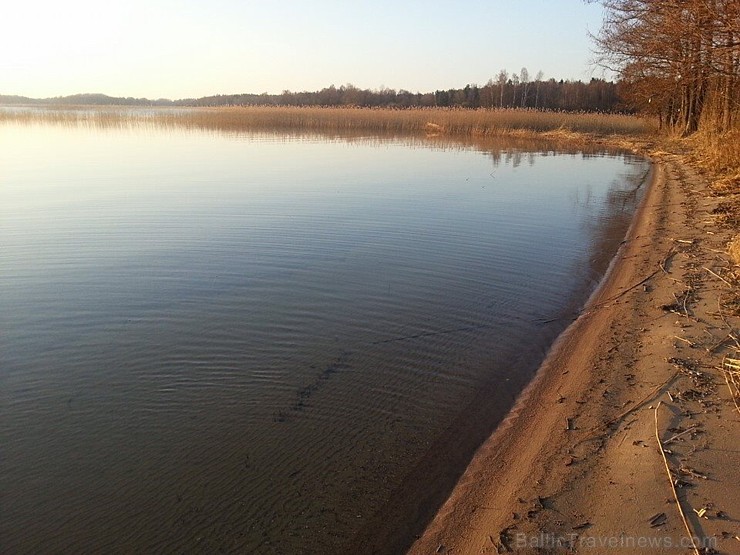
x=643, y=400
x=679, y=435
x=684, y=340
x=596, y=430
x=623, y=292
x=717, y=276
x=663, y=262
x=673, y=486
x=730, y=366
x=732, y=393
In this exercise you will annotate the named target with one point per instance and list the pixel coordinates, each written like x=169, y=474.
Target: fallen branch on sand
x=717, y=276
x=644, y=400
x=731, y=372
x=673, y=487
x=620, y=294
x=601, y=427
x=661, y=267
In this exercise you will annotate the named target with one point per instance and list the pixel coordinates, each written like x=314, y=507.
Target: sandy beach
x=576, y=466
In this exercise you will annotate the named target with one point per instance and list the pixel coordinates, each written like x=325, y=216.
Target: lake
x=233, y=342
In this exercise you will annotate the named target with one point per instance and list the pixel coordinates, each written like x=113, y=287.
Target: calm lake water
x=222, y=342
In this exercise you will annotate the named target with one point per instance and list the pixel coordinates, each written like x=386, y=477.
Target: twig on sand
x=671, y=253
x=601, y=427
x=684, y=340
x=662, y=267
x=717, y=345
x=731, y=372
x=682, y=303
x=663, y=262
x=670, y=480
x=721, y=314
x=621, y=293
x=642, y=401
x=717, y=276
x=679, y=435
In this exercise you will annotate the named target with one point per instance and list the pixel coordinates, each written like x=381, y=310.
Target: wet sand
x=576, y=466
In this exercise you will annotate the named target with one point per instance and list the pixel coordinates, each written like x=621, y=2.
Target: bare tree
x=682, y=54
x=501, y=79
x=537, y=81
x=524, y=80
x=514, y=85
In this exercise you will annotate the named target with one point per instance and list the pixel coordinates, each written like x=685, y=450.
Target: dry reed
x=476, y=123
x=719, y=152
x=691, y=533
x=731, y=372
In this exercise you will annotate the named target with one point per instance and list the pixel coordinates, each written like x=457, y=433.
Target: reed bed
x=452, y=122
x=719, y=152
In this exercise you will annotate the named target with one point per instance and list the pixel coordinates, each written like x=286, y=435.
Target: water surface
x=251, y=343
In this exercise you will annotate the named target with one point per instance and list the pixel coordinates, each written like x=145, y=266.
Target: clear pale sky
x=192, y=48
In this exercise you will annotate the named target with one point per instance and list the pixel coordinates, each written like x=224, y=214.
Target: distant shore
x=576, y=464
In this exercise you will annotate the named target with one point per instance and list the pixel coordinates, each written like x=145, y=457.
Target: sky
x=193, y=48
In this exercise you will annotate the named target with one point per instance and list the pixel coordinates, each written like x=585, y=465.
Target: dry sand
x=576, y=466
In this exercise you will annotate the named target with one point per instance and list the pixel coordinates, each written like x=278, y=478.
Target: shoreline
x=393, y=528
x=557, y=474
x=576, y=456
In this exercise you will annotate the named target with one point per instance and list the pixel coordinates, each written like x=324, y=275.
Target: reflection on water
x=249, y=343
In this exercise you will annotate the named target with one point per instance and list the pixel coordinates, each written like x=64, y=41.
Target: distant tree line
x=515, y=90
x=506, y=91
x=678, y=59
x=92, y=99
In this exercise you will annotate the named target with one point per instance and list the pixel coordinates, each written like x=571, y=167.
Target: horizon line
x=288, y=91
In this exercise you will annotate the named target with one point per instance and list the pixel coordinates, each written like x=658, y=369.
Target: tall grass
x=718, y=151
x=430, y=121
x=476, y=123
